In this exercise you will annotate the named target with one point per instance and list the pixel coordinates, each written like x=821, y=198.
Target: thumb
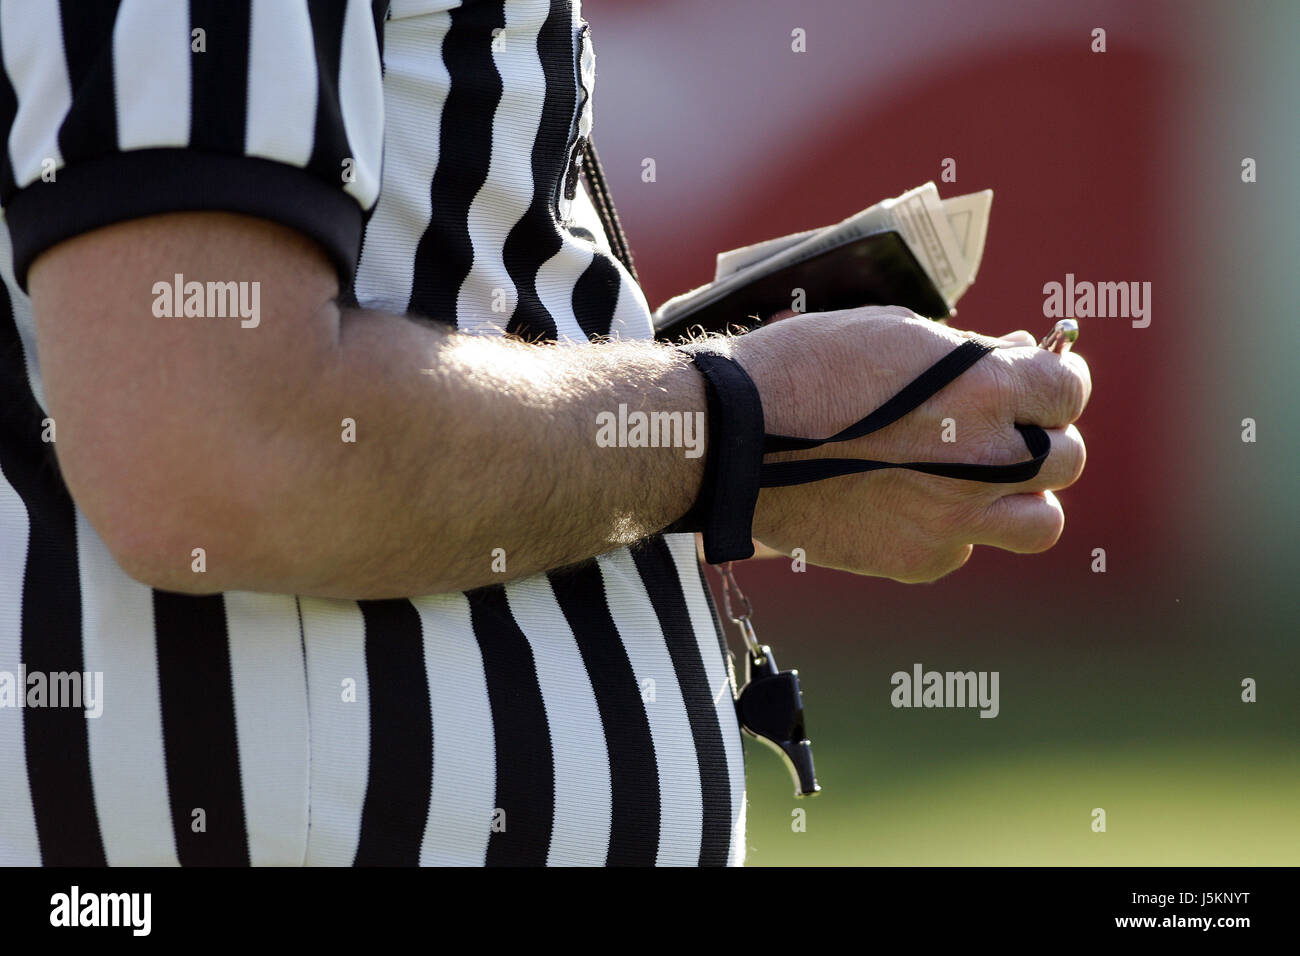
x=1018, y=338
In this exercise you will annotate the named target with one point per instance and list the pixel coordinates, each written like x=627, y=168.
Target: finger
x=980, y=337
x=1047, y=389
x=869, y=310
x=1023, y=524
x=1062, y=468
x=1012, y=340
x=899, y=310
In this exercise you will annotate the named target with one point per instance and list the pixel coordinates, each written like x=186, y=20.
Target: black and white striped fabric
x=578, y=717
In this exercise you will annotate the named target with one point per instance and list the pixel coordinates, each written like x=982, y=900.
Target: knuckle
x=912, y=563
x=957, y=559
x=1076, y=396
x=1074, y=456
x=1076, y=387
x=948, y=561
x=1051, y=390
x=1080, y=454
x=920, y=565
x=999, y=378
x=1005, y=388
x=956, y=514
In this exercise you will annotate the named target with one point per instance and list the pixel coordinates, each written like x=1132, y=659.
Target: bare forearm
x=415, y=460
x=349, y=454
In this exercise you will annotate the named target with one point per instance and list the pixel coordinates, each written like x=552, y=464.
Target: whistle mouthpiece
x=1063, y=335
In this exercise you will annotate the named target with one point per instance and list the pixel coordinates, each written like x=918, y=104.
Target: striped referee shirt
x=582, y=716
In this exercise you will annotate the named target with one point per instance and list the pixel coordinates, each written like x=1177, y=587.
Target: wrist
x=651, y=425
x=724, y=508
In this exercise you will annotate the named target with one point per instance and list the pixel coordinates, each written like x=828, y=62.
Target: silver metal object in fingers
x=1063, y=335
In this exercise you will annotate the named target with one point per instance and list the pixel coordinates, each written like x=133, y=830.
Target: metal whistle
x=1063, y=335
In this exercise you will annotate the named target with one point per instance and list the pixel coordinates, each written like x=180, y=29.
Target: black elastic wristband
x=724, y=510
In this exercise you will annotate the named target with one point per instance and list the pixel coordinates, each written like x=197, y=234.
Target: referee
x=306, y=323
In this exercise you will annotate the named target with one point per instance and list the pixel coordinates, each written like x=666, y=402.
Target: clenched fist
x=820, y=373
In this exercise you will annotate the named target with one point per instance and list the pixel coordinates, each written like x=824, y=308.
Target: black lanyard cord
x=917, y=391
x=594, y=173
x=734, y=469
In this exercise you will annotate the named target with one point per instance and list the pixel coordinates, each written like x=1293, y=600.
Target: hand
x=820, y=373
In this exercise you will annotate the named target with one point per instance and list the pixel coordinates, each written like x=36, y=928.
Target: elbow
x=175, y=522
x=170, y=558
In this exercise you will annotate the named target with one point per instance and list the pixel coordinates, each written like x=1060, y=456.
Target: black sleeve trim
x=148, y=182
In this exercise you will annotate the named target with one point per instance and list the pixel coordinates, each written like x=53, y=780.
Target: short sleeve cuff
x=149, y=182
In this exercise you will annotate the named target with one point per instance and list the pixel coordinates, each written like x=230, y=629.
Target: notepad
x=915, y=250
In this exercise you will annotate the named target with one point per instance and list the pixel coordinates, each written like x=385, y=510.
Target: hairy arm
x=187, y=432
